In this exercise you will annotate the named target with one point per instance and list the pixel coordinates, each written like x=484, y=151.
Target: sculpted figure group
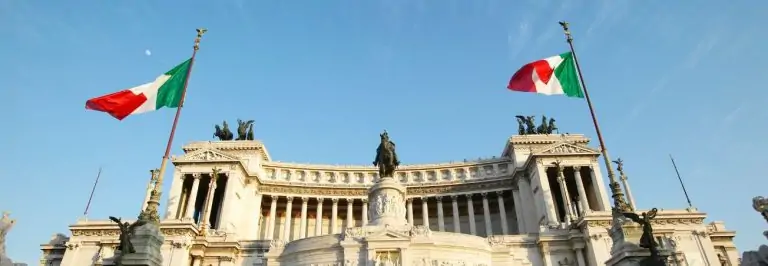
x=526, y=125
x=244, y=131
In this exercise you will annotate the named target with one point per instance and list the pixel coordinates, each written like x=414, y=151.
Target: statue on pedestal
x=646, y=240
x=126, y=231
x=386, y=157
x=526, y=125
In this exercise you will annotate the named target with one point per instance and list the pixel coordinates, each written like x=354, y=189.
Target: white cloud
x=147, y=52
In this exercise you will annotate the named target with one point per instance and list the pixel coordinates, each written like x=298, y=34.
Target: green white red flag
x=165, y=91
x=554, y=75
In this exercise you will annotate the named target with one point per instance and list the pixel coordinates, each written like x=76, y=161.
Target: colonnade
x=570, y=195
x=517, y=210
x=190, y=206
x=313, y=219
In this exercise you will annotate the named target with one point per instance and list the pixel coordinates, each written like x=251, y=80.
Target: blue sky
x=323, y=78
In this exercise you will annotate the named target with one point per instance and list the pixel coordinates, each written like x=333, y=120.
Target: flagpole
x=151, y=213
x=690, y=205
x=88, y=205
x=619, y=201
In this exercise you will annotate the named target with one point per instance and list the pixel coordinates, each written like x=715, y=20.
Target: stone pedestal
x=147, y=241
x=626, y=250
x=387, y=203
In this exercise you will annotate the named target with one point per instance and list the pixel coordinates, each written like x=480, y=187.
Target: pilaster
x=174, y=194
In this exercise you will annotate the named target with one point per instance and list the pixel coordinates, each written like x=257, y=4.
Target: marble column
x=566, y=198
x=303, y=223
x=365, y=212
x=545, y=196
x=455, y=209
x=440, y=218
x=334, y=214
x=410, y=211
x=471, y=211
x=190, y=212
x=319, y=217
x=502, y=212
x=206, y=215
x=487, y=215
x=288, y=218
x=272, y=218
x=350, y=213
x=630, y=198
x=424, y=212
x=583, y=202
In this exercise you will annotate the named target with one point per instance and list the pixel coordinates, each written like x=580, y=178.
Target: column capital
x=500, y=193
x=454, y=198
x=484, y=195
x=304, y=200
x=576, y=169
x=409, y=200
x=469, y=196
x=320, y=199
x=365, y=201
x=438, y=198
x=335, y=200
x=424, y=200
x=275, y=197
x=196, y=175
x=350, y=201
x=289, y=198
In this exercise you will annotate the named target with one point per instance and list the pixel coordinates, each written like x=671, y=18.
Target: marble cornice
x=232, y=145
x=366, y=168
x=413, y=191
x=110, y=229
x=604, y=219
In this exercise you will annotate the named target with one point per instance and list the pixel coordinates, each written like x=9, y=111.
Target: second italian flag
x=554, y=75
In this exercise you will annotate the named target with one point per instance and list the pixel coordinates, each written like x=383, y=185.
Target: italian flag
x=165, y=91
x=550, y=76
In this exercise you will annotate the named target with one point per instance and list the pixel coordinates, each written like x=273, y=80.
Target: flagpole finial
x=200, y=32
x=567, y=30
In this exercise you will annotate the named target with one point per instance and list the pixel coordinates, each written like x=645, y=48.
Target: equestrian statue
x=386, y=157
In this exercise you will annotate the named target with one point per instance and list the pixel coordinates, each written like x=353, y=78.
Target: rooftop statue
x=527, y=125
x=223, y=132
x=242, y=129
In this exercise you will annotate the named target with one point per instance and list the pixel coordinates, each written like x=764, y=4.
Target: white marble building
x=504, y=211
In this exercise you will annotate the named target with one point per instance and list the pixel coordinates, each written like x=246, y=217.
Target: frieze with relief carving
x=658, y=221
x=312, y=191
x=459, y=188
x=95, y=232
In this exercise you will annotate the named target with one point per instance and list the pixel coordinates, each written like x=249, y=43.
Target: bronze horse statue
x=223, y=132
x=242, y=129
x=386, y=157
